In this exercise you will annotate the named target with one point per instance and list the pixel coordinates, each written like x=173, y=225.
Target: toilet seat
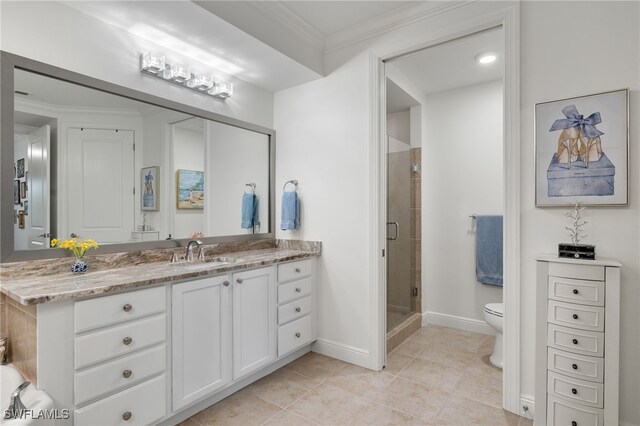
x=496, y=309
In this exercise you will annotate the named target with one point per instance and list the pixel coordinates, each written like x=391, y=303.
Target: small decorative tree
x=575, y=230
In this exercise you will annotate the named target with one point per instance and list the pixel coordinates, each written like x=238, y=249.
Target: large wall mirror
x=94, y=164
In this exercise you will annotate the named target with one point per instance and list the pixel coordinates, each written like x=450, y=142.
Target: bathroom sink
x=37, y=402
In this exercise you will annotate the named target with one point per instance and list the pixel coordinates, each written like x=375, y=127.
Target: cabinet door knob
x=239, y=280
x=126, y=416
x=298, y=270
x=126, y=374
x=297, y=334
x=127, y=340
x=298, y=289
x=574, y=366
x=226, y=283
x=574, y=391
x=574, y=423
x=127, y=307
x=575, y=341
x=575, y=316
x=575, y=291
x=297, y=309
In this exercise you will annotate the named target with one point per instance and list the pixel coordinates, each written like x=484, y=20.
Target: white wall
x=188, y=154
x=462, y=175
x=322, y=140
x=78, y=42
x=398, y=126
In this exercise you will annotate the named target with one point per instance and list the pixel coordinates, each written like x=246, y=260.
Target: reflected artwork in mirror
x=118, y=170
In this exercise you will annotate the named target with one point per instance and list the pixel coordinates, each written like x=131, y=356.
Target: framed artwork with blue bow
x=582, y=150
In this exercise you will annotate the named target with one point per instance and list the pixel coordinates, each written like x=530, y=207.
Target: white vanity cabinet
x=577, y=342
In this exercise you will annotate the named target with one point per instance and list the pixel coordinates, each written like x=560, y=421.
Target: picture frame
x=582, y=150
x=23, y=190
x=20, y=168
x=26, y=207
x=150, y=188
x=21, y=219
x=16, y=192
x=189, y=189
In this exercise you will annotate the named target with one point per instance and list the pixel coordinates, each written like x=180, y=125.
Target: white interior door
x=38, y=220
x=100, y=173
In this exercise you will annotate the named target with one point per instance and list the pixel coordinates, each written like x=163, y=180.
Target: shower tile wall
x=416, y=229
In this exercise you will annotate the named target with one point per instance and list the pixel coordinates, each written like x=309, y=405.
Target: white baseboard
x=460, y=323
x=528, y=402
x=342, y=352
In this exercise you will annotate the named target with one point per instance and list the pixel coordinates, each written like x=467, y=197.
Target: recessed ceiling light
x=486, y=58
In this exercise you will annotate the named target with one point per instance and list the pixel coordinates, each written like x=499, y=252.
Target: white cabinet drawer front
x=576, y=291
x=94, y=313
x=294, y=310
x=562, y=413
x=143, y=404
x=574, y=365
x=119, y=340
x=583, y=272
x=576, y=316
x=294, y=290
x=578, y=341
x=294, y=270
x=119, y=374
x=294, y=335
x=579, y=391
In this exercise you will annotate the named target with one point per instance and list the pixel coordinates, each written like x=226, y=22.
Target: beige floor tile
x=241, y=408
x=481, y=365
x=328, y=405
x=287, y=418
x=460, y=411
x=433, y=375
x=443, y=355
x=480, y=388
x=396, y=362
x=486, y=348
x=463, y=342
x=360, y=381
x=411, y=347
x=189, y=422
x=525, y=422
x=379, y=415
x=316, y=366
x=413, y=398
x=427, y=334
x=282, y=387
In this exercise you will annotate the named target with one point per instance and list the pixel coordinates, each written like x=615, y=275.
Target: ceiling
x=453, y=64
x=397, y=99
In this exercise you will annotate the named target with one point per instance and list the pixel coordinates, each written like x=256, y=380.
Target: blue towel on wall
x=249, y=211
x=489, y=250
x=290, y=214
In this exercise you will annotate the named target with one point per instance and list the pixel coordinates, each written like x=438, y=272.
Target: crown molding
x=393, y=20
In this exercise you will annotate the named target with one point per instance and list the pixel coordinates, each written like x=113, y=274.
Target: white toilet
x=493, y=313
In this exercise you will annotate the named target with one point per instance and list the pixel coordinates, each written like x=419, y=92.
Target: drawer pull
x=239, y=280
x=575, y=316
x=574, y=391
x=298, y=289
x=126, y=416
x=127, y=340
x=574, y=366
x=575, y=291
x=575, y=341
x=298, y=309
x=127, y=307
x=126, y=374
x=298, y=270
x=574, y=423
x=226, y=283
x=298, y=334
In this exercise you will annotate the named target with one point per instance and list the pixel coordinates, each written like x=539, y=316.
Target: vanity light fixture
x=486, y=58
x=181, y=74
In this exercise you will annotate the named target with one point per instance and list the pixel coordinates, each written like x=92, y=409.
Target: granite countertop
x=32, y=289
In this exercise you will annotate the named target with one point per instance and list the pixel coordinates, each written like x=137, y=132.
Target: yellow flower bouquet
x=79, y=248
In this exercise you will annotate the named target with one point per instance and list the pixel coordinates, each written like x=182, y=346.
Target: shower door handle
x=397, y=229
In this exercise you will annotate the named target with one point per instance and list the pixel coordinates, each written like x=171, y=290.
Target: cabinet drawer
x=119, y=374
x=294, y=270
x=576, y=291
x=579, y=391
x=294, y=335
x=294, y=290
x=579, y=366
x=576, y=316
x=562, y=413
x=583, y=272
x=94, y=313
x=577, y=341
x=294, y=310
x=110, y=343
x=145, y=403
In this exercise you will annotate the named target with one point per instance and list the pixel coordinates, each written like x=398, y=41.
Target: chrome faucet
x=3, y=351
x=16, y=406
x=189, y=255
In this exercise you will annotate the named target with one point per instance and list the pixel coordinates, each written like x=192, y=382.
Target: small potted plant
x=79, y=249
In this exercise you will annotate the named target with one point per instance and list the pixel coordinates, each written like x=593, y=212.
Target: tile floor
x=439, y=376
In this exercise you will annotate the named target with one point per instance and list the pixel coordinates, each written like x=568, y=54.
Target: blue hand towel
x=249, y=211
x=290, y=215
x=489, y=250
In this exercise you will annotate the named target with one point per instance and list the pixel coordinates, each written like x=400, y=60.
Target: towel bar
x=293, y=181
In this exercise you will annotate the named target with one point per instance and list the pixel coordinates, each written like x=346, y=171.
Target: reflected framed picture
x=16, y=192
x=26, y=207
x=582, y=150
x=23, y=190
x=20, y=168
x=150, y=184
x=21, y=219
x=189, y=189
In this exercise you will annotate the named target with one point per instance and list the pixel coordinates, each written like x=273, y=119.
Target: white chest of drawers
x=577, y=342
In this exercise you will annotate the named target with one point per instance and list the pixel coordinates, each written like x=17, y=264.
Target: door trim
x=507, y=15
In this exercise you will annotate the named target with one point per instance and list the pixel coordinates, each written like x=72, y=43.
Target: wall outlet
x=527, y=408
